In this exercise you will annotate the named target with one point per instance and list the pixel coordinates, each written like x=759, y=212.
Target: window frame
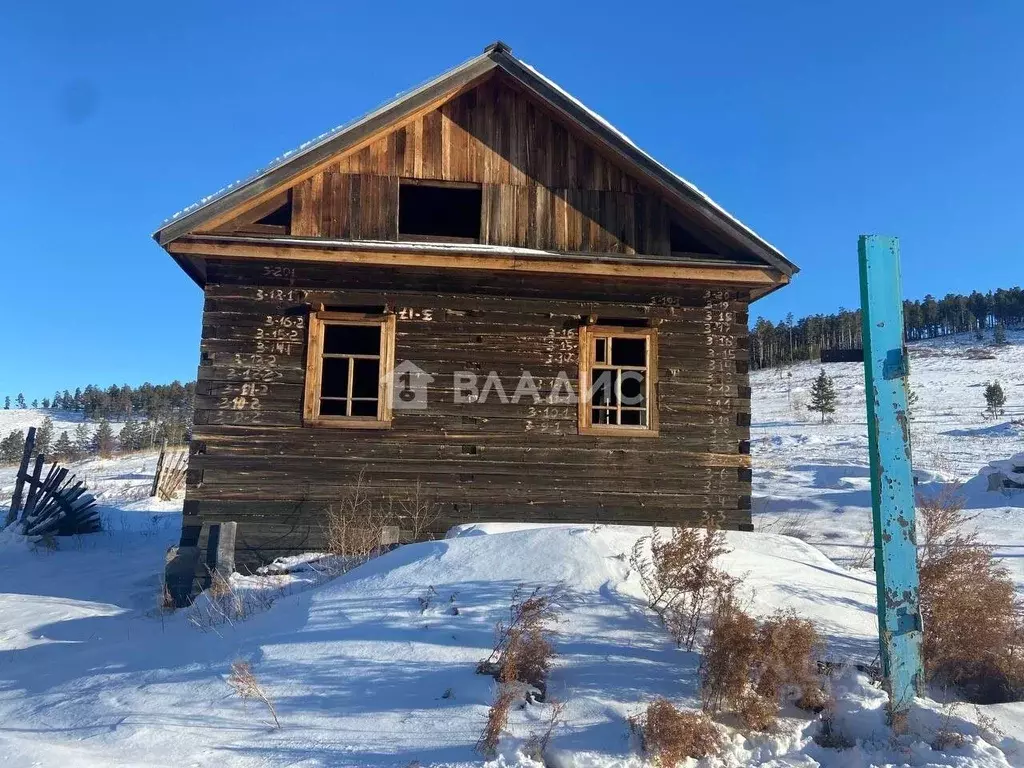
x=318, y=320
x=587, y=339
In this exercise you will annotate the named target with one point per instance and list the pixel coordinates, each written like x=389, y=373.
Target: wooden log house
x=483, y=225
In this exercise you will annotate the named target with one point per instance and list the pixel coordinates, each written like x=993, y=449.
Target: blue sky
x=812, y=121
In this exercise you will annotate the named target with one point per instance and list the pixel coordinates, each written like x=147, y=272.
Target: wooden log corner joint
x=482, y=297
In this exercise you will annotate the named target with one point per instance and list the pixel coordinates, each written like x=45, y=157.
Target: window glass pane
x=632, y=387
x=600, y=351
x=629, y=351
x=334, y=380
x=633, y=418
x=333, y=407
x=364, y=408
x=352, y=339
x=602, y=387
x=602, y=416
x=365, y=378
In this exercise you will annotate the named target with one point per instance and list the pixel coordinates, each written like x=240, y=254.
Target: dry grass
x=222, y=604
x=669, y=736
x=523, y=648
x=680, y=579
x=243, y=682
x=497, y=718
x=751, y=668
x=973, y=620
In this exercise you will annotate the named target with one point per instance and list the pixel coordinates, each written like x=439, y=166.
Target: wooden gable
x=543, y=185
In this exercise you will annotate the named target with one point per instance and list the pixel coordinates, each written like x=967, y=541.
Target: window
x=618, y=377
x=447, y=212
x=349, y=359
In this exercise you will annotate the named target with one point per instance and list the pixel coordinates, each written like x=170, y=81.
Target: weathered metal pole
x=892, y=482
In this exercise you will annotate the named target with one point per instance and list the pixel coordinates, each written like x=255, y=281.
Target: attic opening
x=682, y=241
x=274, y=217
x=439, y=212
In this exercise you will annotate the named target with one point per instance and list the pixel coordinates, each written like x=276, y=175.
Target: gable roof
x=496, y=56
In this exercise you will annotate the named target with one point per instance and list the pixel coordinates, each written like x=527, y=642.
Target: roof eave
x=303, y=161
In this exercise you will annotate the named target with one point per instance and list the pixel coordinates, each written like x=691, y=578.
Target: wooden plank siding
x=254, y=463
x=543, y=187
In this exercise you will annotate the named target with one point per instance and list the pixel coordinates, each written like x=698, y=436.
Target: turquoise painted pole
x=892, y=482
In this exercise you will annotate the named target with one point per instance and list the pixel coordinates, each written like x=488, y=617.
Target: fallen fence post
x=892, y=483
x=159, y=468
x=19, y=480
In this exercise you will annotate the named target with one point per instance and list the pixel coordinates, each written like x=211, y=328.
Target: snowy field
x=376, y=667
x=811, y=480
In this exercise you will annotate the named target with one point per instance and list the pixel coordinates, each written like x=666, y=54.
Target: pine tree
x=46, y=404
x=12, y=447
x=995, y=399
x=7, y=403
x=56, y=400
x=35, y=403
x=999, y=334
x=103, y=439
x=83, y=442
x=128, y=438
x=77, y=402
x=823, y=395
x=21, y=400
x=63, y=449
x=44, y=436
x=66, y=402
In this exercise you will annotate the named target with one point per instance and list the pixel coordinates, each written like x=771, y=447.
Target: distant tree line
x=791, y=340
x=151, y=413
x=147, y=401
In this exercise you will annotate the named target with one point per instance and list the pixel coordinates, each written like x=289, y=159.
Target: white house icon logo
x=409, y=386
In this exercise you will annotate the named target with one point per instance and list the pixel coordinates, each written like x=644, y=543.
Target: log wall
x=255, y=463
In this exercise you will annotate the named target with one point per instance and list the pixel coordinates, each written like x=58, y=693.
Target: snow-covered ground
x=811, y=480
x=377, y=667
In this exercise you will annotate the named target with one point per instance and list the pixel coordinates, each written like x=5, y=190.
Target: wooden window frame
x=318, y=320
x=588, y=336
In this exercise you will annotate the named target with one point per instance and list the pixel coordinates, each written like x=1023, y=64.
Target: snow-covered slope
x=811, y=479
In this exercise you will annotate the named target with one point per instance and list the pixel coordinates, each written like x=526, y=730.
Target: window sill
x=618, y=431
x=346, y=423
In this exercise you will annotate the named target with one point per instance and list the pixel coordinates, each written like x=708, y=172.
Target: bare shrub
x=828, y=734
x=419, y=512
x=537, y=745
x=973, y=620
x=680, y=579
x=669, y=736
x=356, y=524
x=497, y=718
x=751, y=668
x=523, y=650
x=729, y=656
x=361, y=523
x=243, y=682
x=757, y=712
x=789, y=648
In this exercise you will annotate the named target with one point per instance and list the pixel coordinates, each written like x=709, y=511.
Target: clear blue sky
x=812, y=121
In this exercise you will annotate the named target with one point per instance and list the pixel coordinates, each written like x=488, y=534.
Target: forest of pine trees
x=151, y=414
x=147, y=401
x=792, y=340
